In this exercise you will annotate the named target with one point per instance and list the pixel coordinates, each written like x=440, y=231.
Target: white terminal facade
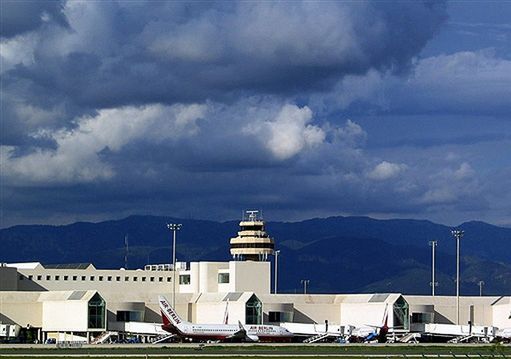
x=81, y=301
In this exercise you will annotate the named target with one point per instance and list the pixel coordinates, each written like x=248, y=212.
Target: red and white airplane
x=370, y=333
x=172, y=323
x=503, y=334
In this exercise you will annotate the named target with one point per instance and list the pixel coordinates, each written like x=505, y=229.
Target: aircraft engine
x=253, y=338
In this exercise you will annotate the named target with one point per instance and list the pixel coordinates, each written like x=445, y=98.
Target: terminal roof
x=68, y=266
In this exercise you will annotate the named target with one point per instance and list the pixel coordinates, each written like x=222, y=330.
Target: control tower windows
x=252, y=242
x=250, y=228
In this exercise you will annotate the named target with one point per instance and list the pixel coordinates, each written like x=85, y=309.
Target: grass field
x=256, y=357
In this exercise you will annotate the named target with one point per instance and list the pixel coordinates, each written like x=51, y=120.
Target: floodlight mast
x=174, y=227
x=126, y=251
x=458, y=234
x=481, y=284
x=305, y=282
x=433, y=283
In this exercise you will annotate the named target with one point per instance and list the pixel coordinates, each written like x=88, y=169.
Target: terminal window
x=83, y=277
x=184, y=279
x=279, y=317
x=118, y=279
x=135, y=279
x=39, y=277
x=96, y=312
x=422, y=317
x=92, y=278
x=254, y=311
x=100, y=278
x=160, y=279
x=75, y=277
x=109, y=278
x=129, y=316
x=223, y=277
x=48, y=277
x=126, y=279
x=30, y=277
x=168, y=279
x=57, y=277
x=143, y=279
x=66, y=277
x=152, y=279
x=401, y=314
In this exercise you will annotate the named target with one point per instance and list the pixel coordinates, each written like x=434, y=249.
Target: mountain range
x=336, y=254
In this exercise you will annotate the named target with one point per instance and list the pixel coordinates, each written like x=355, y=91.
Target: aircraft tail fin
x=386, y=317
x=382, y=335
x=169, y=315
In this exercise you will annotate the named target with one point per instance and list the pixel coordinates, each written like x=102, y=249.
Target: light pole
x=276, y=268
x=174, y=227
x=126, y=252
x=458, y=234
x=305, y=282
x=433, y=283
x=481, y=284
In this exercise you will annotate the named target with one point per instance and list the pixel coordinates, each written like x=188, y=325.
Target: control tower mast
x=252, y=242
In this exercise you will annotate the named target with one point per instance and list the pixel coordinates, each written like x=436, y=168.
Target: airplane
x=172, y=323
x=503, y=335
x=370, y=333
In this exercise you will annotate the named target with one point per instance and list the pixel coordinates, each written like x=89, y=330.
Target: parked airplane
x=369, y=333
x=172, y=323
x=504, y=335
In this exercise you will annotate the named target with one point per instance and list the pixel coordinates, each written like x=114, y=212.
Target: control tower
x=252, y=242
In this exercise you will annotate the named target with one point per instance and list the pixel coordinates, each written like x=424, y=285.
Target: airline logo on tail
x=168, y=311
x=386, y=317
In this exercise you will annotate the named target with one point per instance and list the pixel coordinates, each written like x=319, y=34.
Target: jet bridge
x=458, y=333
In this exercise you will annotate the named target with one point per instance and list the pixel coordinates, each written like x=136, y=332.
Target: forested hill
x=337, y=254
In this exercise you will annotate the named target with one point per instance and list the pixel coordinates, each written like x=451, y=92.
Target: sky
x=301, y=109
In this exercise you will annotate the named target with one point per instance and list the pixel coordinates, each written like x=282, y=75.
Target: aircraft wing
x=379, y=326
x=240, y=334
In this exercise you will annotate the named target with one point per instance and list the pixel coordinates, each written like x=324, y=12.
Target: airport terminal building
x=81, y=302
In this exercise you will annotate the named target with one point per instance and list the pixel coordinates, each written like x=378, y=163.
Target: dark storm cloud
x=130, y=53
x=18, y=17
x=205, y=108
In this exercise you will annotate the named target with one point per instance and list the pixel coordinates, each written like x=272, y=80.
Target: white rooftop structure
x=28, y=265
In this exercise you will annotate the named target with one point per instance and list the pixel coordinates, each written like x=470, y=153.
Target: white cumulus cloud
x=451, y=185
x=386, y=170
x=464, y=171
x=289, y=132
x=77, y=154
